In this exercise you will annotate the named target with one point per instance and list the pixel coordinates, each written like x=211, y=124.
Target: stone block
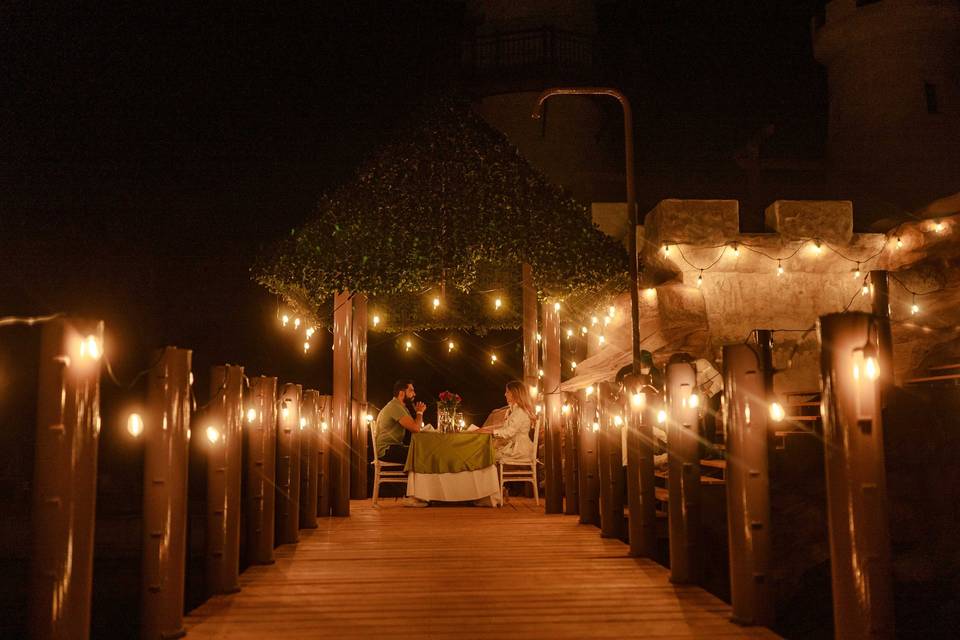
x=827, y=220
x=693, y=222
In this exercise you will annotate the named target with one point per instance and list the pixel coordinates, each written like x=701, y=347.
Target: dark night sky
x=149, y=151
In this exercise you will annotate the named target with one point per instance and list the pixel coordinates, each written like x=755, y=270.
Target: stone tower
x=517, y=49
x=894, y=91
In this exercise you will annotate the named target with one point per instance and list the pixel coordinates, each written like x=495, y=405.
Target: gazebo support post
x=571, y=505
x=610, y=459
x=224, y=459
x=856, y=478
x=65, y=478
x=358, y=395
x=288, y=465
x=323, y=459
x=261, y=435
x=309, y=436
x=640, y=469
x=340, y=409
x=880, y=286
x=552, y=411
x=589, y=476
x=683, y=479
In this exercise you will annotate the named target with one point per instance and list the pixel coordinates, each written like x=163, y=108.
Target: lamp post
x=631, y=195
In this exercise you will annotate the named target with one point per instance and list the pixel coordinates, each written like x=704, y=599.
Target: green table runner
x=449, y=452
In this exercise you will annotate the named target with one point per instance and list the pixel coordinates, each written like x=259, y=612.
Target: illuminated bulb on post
x=596, y=426
x=661, y=416
x=573, y=364
x=376, y=320
x=694, y=401
x=497, y=303
x=303, y=423
x=779, y=268
x=777, y=414
x=285, y=320
x=556, y=306
x=135, y=425
x=212, y=435
x=251, y=415
x=618, y=421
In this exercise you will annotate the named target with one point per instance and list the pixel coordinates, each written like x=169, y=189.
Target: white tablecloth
x=456, y=487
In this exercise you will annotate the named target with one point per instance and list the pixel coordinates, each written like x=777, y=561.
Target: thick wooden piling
x=683, y=461
x=260, y=476
x=288, y=465
x=340, y=410
x=589, y=472
x=552, y=411
x=610, y=463
x=309, y=444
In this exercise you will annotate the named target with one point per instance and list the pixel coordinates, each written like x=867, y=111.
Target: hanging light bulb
x=569, y=333
x=746, y=413
x=408, y=344
x=638, y=399
x=601, y=340
x=306, y=347
x=376, y=320
x=284, y=412
x=666, y=249
x=914, y=308
x=450, y=346
x=938, y=226
x=285, y=320
x=565, y=409
x=573, y=365
x=533, y=390
x=539, y=408
x=369, y=417
x=606, y=320
x=539, y=337
x=736, y=250
x=700, y=279
x=817, y=248
x=135, y=425
x=661, y=416
x=694, y=401
x=310, y=331
x=899, y=242
x=594, y=321
x=324, y=426
x=777, y=414
x=556, y=306
x=584, y=331
x=540, y=373
x=612, y=311
x=618, y=421
x=870, y=368
x=864, y=290
x=303, y=423
x=596, y=426
x=212, y=435
x=779, y=268
x=296, y=323
x=90, y=348
x=493, y=358
x=251, y=414
x=589, y=390
x=856, y=272
x=436, y=303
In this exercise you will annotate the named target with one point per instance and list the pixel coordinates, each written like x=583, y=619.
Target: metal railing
x=526, y=49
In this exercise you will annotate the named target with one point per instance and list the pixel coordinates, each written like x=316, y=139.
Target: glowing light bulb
x=596, y=426
x=303, y=423
x=436, y=303
x=594, y=321
x=324, y=426
x=191, y=378
x=779, y=268
x=533, y=390
x=369, y=417
x=556, y=306
x=666, y=249
x=296, y=323
x=661, y=416
x=589, y=390
x=310, y=332
x=539, y=408
x=601, y=340
x=606, y=320
x=306, y=347
x=617, y=420
x=612, y=311
x=584, y=331
x=493, y=358
x=638, y=399
x=451, y=346
x=871, y=369
x=565, y=409
x=914, y=308
x=569, y=333
x=376, y=320
x=91, y=348
x=408, y=345
x=540, y=373
x=212, y=435
x=462, y=423
x=285, y=320
x=938, y=226
x=135, y=425
x=284, y=412
x=251, y=415
x=856, y=272
x=746, y=413
x=899, y=243
x=573, y=364
x=736, y=250
x=497, y=303
x=817, y=248
x=650, y=291
x=188, y=434
x=700, y=279
x=539, y=337
x=777, y=414
x=864, y=290
x=694, y=401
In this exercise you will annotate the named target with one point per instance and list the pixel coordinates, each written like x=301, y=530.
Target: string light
x=779, y=268
x=914, y=308
x=436, y=303
x=451, y=346
x=569, y=333
x=584, y=331
x=736, y=250
x=594, y=321
x=601, y=340
x=938, y=226
x=408, y=344
x=135, y=425
x=573, y=365
x=899, y=242
x=212, y=435
x=296, y=323
x=285, y=320
x=556, y=306
x=864, y=290
x=700, y=279
x=606, y=320
x=612, y=311
x=661, y=416
x=306, y=347
x=310, y=332
x=617, y=420
x=856, y=272
x=497, y=303
x=376, y=320
x=251, y=414
x=493, y=358
x=777, y=414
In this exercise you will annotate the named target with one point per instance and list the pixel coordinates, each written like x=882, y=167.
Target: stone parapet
x=828, y=220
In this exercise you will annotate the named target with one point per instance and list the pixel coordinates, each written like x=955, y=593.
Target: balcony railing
x=527, y=50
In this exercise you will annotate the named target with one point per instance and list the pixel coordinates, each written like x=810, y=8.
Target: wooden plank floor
x=460, y=573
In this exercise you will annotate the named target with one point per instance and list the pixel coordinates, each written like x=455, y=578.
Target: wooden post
x=683, y=461
x=358, y=381
x=531, y=361
x=571, y=505
x=589, y=477
x=261, y=435
x=323, y=459
x=340, y=409
x=65, y=478
x=309, y=439
x=856, y=478
x=166, y=450
x=288, y=465
x=746, y=407
x=640, y=470
x=224, y=459
x=552, y=412
x=610, y=463
x=880, y=287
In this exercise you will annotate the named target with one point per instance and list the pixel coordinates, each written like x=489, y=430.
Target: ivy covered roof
x=448, y=209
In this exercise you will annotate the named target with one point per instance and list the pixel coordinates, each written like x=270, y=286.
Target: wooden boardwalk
x=460, y=573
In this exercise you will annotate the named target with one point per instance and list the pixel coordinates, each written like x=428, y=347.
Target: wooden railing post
x=640, y=469
x=746, y=404
x=340, y=410
x=683, y=461
x=571, y=505
x=610, y=463
x=309, y=441
x=261, y=435
x=856, y=477
x=65, y=478
x=224, y=459
x=323, y=458
x=589, y=476
x=288, y=465
x=166, y=448
x=358, y=382
x=552, y=414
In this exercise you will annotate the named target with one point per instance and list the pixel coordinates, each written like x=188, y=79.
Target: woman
x=512, y=438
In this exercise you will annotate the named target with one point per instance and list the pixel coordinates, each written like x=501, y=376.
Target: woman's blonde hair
x=522, y=397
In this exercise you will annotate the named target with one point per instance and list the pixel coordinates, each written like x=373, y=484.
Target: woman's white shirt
x=516, y=431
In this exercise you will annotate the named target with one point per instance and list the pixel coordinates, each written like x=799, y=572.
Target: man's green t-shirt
x=389, y=429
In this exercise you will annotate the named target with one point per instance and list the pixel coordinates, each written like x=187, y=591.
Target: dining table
x=452, y=467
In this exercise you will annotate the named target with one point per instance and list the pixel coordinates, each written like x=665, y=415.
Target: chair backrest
x=373, y=439
x=536, y=436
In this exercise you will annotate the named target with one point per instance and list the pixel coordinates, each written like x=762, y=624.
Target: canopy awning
x=599, y=367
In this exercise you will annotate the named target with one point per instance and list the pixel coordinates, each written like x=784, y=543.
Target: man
x=393, y=423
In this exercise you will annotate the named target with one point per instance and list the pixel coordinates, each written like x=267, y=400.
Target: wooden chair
x=517, y=469
x=384, y=472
